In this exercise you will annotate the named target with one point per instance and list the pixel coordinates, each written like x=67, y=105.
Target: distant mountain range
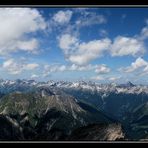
x=31, y=110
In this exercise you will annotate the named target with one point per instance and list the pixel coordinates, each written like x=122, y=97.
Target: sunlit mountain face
x=74, y=74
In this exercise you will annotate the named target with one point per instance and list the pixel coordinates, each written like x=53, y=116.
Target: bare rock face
x=114, y=132
x=99, y=132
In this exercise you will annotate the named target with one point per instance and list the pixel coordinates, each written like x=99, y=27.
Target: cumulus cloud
x=144, y=33
x=102, y=69
x=103, y=32
x=27, y=45
x=145, y=71
x=48, y=69
x=16, y=24
x=98, y=78
x=138, y=64
x=75, y=67
x=123, y=46
x=54, y=68
x=30, y=46
x=34, y=76
x=86, y=52
x=62, y=21
x=81, y=53
x=90, y=18
x=60, y=68
x=62, y=17
x=30, y=66
x=67, y=43
x=13, y=67
x=114, y=78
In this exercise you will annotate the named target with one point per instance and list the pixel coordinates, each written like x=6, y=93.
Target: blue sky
x=93, y=44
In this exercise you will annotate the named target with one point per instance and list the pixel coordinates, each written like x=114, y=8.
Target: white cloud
x=102, y=69
x=62, y=17
x=99, y=78
x=146, y=69
x=48, y=69
x=89, y=19
x=75, y=67
x=144, y=33
x=31, y=66
x=123, y=46
x=15, y=67
x=80, y=10
x=62, y=68
x=67, y=43
x=139, y=63
x=89, y=51
x=12, y=67
x=82, y=53
x=27, y=45
x=114, y=78
x=34, y=76
x=82, y=18
x=103, y=32
x=16, y=24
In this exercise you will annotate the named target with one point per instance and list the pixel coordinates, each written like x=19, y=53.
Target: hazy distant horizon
x=76, y=81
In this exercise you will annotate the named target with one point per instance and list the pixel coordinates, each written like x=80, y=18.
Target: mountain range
x=31, y=110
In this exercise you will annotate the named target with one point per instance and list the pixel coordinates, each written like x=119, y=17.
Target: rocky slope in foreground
x=99, y=132
x=46, y=114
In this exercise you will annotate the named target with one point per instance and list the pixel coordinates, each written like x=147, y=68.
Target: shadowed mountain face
x=9, y=129
x=99, y=132
x=45, y=114
x=57, y=110
x=138, y=128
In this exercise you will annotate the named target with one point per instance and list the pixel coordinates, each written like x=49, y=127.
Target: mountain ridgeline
x=31, y=110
